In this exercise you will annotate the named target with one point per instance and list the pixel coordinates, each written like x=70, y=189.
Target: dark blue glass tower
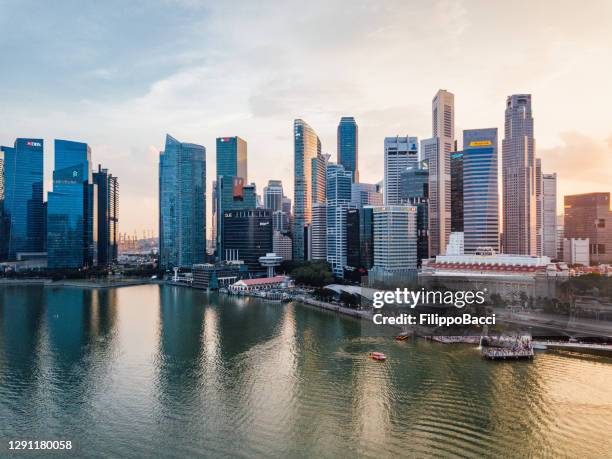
x=182, y=204
x=348, y=146
x=23, y=198
x=71, y=239
x=232, y=157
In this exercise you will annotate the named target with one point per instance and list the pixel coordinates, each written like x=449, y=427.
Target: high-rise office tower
x=23, y=197
x=247, y=236
x=400, y=154
x=588, y=216
x=395, y=242
x=338, y=194
x=539, y=205
x=182, y=204
x=3, y=226
x=457, y=192
x=519, y=177
x=360, y=239
x=231, y=194
x=281, y=245
x=232, y=157
x=480, y=193
x=108, y=215
x=231, y=177
x=366, y=194
x=415, y=192
x=437, y=152
x=306, y=146
x=71, y=208
x=318, y=232
x=273, y=195
x=348, y=146
x=549, y=215
x=318, y=178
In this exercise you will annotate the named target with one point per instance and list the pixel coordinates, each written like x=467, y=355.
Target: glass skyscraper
x=232, y=157
x=414, y=190
x=71, y=208
x=456, y=162
x=182, y=204
x=338, y=197
x=23, y=198
x=108, y=215
x=247, y=235
x=306, y=146
x=480, y=190
x=348, y=146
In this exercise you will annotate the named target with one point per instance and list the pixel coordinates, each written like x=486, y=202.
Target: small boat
x=379, y=356
x=401, y=337
x=539, y=347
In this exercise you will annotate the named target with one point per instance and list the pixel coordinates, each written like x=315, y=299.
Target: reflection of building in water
x=506, y=275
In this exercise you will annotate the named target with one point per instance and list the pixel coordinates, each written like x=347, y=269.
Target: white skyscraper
x=437, y=151
x=400, y=153
x=318, y=232
x=519, y=178
x=395, y=239
x=549, y=215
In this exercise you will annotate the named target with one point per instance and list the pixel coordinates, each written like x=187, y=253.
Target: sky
x=120, y=75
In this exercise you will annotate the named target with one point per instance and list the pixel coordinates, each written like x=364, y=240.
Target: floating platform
x=504, y=353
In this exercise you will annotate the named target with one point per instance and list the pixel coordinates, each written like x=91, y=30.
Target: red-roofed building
x=264, y=283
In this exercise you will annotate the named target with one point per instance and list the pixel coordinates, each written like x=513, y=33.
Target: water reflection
x=166, y=371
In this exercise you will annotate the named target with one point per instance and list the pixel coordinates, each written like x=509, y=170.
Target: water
x=154, y=371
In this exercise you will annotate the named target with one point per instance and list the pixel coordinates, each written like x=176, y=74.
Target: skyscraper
x=273, y=195
x=480, y=194
x=317, y=249
x=395, y=244
x=182, y=204
x=71, y=209
x=366, y=194
x=247, y=236
x=519, y=177
x=108, y=215
x=400, y=153
x=348, y=146
x=588, y=216
x=319, y=177
x=360, y=239
x=232, y=157
x=437, y=152
x=306, y=146
x=457, y=192
x=338, y=196
x=415, y=192
x=549, y=215
x=23, y=197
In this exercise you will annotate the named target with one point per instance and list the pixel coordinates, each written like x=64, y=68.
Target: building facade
x=480, y=190
x=247, y=235
x=415, y=192
x=72, y=217
x=108, y=215
x=338, y=201
x=519, y=178
x=232, y=157
x=318, y=232
x=549, y=215
x=400, y=154
x=273, y=195
x=437, y=151
x=395, y=242
x=22, y=211
x=306, y=146
x=588, y=216
x=457, y=192
x=182, y=204
x=360, y=239
x=366, y=194
x=348, y=146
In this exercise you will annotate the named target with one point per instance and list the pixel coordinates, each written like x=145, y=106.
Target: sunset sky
x=120, y=75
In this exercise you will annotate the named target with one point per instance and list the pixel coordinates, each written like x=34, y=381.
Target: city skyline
x=122, y=101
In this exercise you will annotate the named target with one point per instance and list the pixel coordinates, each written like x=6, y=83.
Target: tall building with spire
x=519, y=178
x=306, y=146
x=348, y=146
x=437, y=151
